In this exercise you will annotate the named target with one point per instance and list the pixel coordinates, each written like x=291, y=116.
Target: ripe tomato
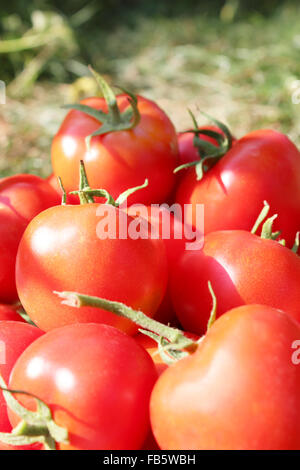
x=243, y=269
x=22, y=197
x=99, y=392
x=15, y=337
x=62, y=250
x=121, y=159
x=234, y=189
x=239, y=390
x=9, y=313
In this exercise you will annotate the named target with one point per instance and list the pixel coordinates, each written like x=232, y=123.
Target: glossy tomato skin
x=239, y=391
x=61, y=251
x=22, y=197
x=233, y=191
x=243, y=269
x=15, y=337
x=119, y=160
x=99, y=391
x=9, y=313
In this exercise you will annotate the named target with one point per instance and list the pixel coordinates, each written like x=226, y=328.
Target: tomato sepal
x=208, y=152
x=35, y=426
x=114, y=120
x=86, y=194
x=267, y=227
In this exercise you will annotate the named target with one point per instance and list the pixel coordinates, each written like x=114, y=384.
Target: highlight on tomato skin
x=239, y=391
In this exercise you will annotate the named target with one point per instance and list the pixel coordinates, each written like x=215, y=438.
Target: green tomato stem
x=207, y=151
x=114, y=120
x=86, y=193
x=173, y=335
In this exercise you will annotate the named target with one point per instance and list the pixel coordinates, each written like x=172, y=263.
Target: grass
x=243, y=71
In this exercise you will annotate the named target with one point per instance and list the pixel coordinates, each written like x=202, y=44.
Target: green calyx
x=35, y=426
x=173, y=344
x=209, y=154
x=86, y=194
x=267, y=228
x=114, y=120
x=168, y=351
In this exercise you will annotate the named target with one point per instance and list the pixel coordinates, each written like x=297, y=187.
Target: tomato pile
x=118, y=334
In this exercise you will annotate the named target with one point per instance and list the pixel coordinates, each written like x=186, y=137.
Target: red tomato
x=15, y=337
x=243, y=269
x=99, y=391
x=61, y=251
x=239, y=390
x=9, y=313
x=22, y=197
x=119, y=160
x=233, y=191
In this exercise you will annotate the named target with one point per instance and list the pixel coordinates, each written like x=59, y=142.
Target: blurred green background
x=237, y=60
